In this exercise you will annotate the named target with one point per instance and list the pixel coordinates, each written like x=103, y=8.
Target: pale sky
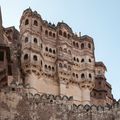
x=99, y=19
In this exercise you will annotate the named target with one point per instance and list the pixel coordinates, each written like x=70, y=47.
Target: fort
x=47, y=72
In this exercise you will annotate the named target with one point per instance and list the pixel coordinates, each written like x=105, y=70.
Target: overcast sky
x=99, y=19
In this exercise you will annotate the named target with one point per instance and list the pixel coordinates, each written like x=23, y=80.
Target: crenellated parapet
x=46, y=106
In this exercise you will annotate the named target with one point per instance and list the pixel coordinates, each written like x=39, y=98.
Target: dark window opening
x=90, y=76
x=60, y=32
x=41, y=62
x=26, y=39
x=54, y=35
x=68, y=36
x=73, y=74
x=1, y=56
x=50, y=50
x=89, y=45
x=77, y=45
x=49, y=67
x=82, y=60
x=46, y=32
x=35, y=23
x=76, y=75
x=9, y=70
x=35, y=40
x=50, y=33
x=45, y=66
x=35, y=57
x=90, y=60
x=64, y=34
x=25, y=56
x=60, y=65
x=82, y=46
x=77, y=60
x=46, y=48
x=41, y=46
x=53, y=69
x=73, y=43
x=74, y=59
x=54, y=51
x=26, y=22
x=82, y=75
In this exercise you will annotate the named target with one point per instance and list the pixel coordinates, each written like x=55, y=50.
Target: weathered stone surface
x=45, y=107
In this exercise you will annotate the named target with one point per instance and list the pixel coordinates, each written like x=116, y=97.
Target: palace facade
x=51, y=59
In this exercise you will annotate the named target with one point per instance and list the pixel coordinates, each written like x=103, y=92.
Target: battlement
x=49, y=107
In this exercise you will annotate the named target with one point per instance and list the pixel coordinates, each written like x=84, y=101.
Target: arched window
x=53, y=69
x=77, y=60
x=64, y=34
x=74, y=59
x=89, y=60
x=35, y=40
x=25, y=56
x=73, y=43
x=50, y=50
x=46, y=48
x=35, y=57
x=77, y=45
x=26, y=22
x=89, y=45
x=60, y=32
x=68, y=36
x=82, y=60
x=46, y=32
x=35, y=23
x=54, y=35
x=82, y=46
x=45, y=66
x=82, y=75
x=53, y=51
x=90, y=76
x=76, y=75
x=73, y=74
x=60, y=65
x=49, y=67
x=26, y=39
x=50, y=33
